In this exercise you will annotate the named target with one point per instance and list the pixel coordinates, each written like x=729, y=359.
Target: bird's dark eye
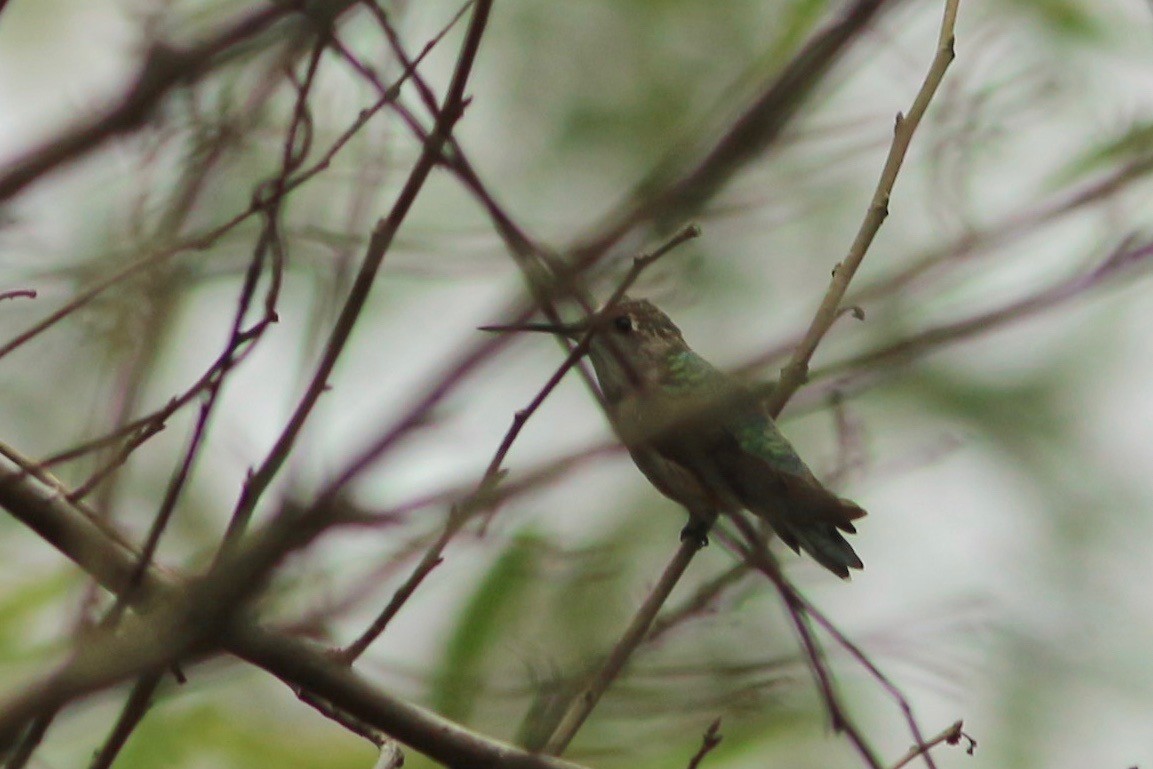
x=623, y=323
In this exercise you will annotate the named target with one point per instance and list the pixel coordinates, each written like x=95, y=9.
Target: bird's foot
x=697, y=531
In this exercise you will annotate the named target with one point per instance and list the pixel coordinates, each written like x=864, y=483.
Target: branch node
x=855, y=310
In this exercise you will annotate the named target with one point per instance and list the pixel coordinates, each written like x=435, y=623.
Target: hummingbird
x=701, y=437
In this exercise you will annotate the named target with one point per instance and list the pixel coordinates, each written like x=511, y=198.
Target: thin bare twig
x=382, y=238
x=890, y=688
x=164, y=69
x=584, y=702
x=460, y=513
x=950, y=735
x=432, y=558
x=796, y=371
x=130, y=717
x=709, y=742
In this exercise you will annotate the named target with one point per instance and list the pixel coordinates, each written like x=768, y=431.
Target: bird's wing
x=728, y=442
x=766, y=474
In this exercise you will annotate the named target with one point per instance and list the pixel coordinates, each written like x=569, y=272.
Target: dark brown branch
x=382, y=238
x=163, y=70
x=762, y=124
x=130, y=717
x=709, y=742
x=103, y=553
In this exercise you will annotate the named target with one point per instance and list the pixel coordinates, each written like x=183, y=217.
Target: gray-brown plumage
x=703, y=439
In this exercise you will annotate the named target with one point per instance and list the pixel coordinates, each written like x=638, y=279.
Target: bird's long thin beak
x=571, y=330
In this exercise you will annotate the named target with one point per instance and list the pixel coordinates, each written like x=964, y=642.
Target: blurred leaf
x=484, y=620
x=1016, y=415
x=22, y=604
x=797, y=23
x=1070, y=19
x=175, y=735
x=1133, y=150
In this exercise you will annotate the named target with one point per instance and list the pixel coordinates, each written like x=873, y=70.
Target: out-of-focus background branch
x=195, y=190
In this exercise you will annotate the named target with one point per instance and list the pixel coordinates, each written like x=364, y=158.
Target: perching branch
x=583, y=703
x=460, y=512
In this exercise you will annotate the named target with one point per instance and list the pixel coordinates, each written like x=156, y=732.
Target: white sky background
x=966, y=541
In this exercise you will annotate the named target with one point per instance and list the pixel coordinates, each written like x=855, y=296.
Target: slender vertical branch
x=582, y=705
x=379, y=245
x=130, y=717
x=796, y=371
x=163, y=70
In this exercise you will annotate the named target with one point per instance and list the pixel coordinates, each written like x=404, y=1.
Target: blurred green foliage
x=574, y=104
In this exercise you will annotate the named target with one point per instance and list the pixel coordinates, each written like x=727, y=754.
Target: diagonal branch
x=164, y=69
x=761, y=125
x=583, y=703
x=796, y=371
x=382, y=238
x=103, y=553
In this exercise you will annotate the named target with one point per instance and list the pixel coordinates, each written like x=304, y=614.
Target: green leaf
x=21, y=604
x=1070, y=19
x=1132, y=150
x=179, y=733
x=483, y=621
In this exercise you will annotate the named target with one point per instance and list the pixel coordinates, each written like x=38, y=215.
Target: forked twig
x=796, y=371
x=709, y=742
x=951, y=735
x=792, y=377
x=460, y=512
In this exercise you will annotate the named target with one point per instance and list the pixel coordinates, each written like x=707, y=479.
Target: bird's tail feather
x=823, y=541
